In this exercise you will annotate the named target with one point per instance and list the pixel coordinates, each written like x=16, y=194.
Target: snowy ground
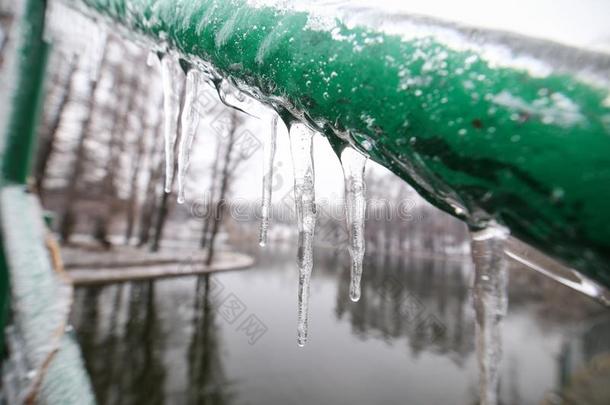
x=88, y=264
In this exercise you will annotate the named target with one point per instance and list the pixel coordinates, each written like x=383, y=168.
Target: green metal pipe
x=23, y=77
x=41, y=300
x=484, y=125
x=24, y=101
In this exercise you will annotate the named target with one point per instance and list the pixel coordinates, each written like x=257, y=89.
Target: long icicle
x=301, y=143
x=189, y=125
x=490, y=305
x=172, y=77
x=353, y=163
x=269, y=156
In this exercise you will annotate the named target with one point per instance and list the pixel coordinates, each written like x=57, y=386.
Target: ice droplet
x=353, y=164
x=152, y=59
x=301, y=143
x=173, y=79
x=268, y=156
x=490, y=305
x=189, y=125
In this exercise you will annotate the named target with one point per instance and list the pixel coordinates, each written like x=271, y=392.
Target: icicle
x=301, y=143
x=172, y=77
x=189, y=124
x=490, y=305
x=353, y=163
x=269, y=155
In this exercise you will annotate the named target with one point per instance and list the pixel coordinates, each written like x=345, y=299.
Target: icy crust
x=45, y=363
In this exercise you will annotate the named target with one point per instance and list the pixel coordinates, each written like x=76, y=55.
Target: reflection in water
x=207, y=381
x=585, y=364
x=124, y=360
x=422, y=299
x=410, y=339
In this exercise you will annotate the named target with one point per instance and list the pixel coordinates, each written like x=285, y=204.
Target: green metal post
x=24, y=76
x=25, y=102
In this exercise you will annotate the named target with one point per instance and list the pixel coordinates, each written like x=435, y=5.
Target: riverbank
x=86, y=265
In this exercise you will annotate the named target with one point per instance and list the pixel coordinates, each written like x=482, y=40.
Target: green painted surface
x=4, y=296
x=40, y=304
x=530, y=150
x=24, y=77
x=25, y=100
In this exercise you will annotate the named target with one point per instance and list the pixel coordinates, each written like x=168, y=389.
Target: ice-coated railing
x=485, y=125
x=505, y=132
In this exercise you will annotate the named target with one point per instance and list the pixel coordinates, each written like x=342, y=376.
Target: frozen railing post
x=25, y=66
x=39, y=296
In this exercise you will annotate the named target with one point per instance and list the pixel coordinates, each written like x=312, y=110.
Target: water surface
x=230, y=338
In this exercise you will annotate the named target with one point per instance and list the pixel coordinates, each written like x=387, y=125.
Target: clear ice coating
x=234, y=98
x=189, y=125
x=268, y=157
x=301, y=144
x=152, y=59
x=353, y=163
x=490, y=304
x=173, y=80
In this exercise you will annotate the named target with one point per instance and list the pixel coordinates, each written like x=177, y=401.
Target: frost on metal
x=40, y=306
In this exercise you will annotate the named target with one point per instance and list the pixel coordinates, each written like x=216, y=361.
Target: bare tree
x=136, y=164
x=67, y=220
x=229, y=166
x=116, y=147
x=65, y=84
x=155, y=159
x=166, y=203
x=205, y=234
x=163, y=210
